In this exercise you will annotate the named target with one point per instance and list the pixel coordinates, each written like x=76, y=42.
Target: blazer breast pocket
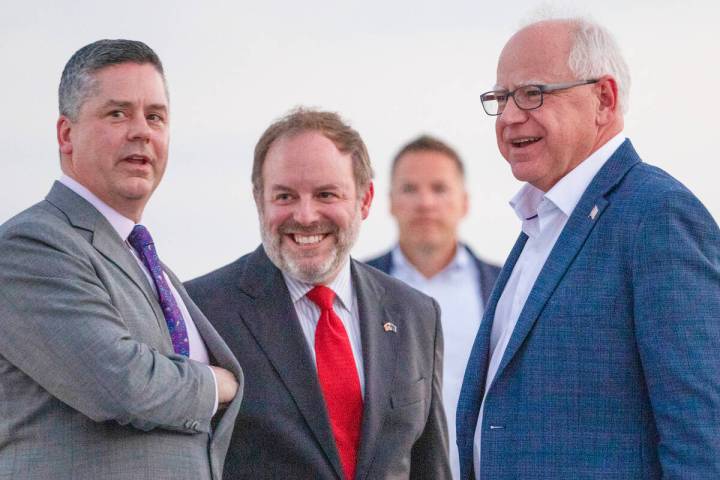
x=404, y=395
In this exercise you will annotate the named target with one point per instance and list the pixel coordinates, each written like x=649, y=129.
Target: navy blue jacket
x=613, y=368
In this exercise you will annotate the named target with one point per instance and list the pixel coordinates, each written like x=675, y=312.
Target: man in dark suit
x=104, y=359
x=428, y=200
x=343, y=363
x=599, y=353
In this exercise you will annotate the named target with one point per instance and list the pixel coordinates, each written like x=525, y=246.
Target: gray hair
x=78, y=82
x=595, y=53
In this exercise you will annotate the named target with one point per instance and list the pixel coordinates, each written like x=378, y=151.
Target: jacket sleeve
x=676, y=282
x=430, y=458
x=60, y=328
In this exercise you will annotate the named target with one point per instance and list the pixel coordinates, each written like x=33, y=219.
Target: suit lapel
x=485, y=276
x=581, y=222
x=478, y=362
x=473, y=386
x=222, y=356
x=379, y=358
x=108, y=243
x=273, y=322
x=81, y=214
x=215, y=344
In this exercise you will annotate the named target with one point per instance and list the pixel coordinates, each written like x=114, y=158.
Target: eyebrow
x=328, y=186
x=523, y=84
x=125, y=104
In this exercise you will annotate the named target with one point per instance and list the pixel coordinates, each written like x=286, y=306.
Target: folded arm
x=62, y=329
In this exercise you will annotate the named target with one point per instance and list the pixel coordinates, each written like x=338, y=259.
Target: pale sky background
x=392, y=69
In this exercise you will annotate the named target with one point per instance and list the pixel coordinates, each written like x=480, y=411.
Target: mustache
x=315, y=228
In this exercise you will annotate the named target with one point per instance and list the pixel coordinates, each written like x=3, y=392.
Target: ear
x=391, y=198
x=257, y=197
x=608, y=100
x=466, y=203
x=367, y=200
x=64, y=137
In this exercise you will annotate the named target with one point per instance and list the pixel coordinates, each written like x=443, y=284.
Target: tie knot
x=322, y=296
x=140, y=238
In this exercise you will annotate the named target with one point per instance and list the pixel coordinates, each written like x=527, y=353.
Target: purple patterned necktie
x=142, y=242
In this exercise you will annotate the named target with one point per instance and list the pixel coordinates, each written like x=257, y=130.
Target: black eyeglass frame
x=543, y=89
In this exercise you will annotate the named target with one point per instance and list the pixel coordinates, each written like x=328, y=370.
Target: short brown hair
x=346, y=139
x=428, y=143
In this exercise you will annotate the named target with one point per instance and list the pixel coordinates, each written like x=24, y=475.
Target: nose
x=139, y=129
x=306, y=212
x=512, y=113
x=426, y=199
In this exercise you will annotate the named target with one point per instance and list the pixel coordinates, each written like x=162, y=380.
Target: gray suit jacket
x=90, y=387
x=283, y=429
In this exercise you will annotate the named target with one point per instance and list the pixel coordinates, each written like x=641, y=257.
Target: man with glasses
x=599, y=353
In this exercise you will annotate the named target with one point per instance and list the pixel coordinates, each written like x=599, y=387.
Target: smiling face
x=309, y=209
x=428, y=200
x=544, y=144
x=118, y=145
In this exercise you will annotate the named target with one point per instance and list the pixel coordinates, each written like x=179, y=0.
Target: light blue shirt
x=456, y=288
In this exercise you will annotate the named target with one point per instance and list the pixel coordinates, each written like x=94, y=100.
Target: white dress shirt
x=345, y=306
x=123, y=226
x=543, y=216
x=456, y=288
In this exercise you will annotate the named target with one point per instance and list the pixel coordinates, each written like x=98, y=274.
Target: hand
x=227, y=384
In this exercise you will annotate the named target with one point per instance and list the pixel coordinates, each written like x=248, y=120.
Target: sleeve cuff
x=215, y=403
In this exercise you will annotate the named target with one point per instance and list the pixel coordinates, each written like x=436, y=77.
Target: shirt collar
x=460, y=260
x=531, y=202
x=341, y=285
x=122, y=225
x=566, y=193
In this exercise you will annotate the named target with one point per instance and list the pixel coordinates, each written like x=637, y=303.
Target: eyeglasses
x=528, y=97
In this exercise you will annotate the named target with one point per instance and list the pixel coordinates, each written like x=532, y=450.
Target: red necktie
x=338, y=379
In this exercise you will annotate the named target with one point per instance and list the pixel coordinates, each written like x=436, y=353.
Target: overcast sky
x=392, y=69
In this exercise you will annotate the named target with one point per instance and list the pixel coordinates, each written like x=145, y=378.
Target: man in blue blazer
x=428, y=199
x=599, y=352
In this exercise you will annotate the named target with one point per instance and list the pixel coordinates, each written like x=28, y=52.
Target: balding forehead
x=536, y=54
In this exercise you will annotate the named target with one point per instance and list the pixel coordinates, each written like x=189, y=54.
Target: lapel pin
x=594, y=212
x=390, y=327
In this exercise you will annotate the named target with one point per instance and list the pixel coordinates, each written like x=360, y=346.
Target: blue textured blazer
x=613, y=369
x=487, y=273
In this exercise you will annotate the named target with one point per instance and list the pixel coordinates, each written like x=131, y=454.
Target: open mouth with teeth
x=307, y=239
x=524, y=142
x=137, y=159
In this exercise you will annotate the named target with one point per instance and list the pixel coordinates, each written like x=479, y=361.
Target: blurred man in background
x=428, y=200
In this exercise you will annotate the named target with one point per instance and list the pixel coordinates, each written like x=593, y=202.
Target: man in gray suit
x=343, y=362
x=103, y=357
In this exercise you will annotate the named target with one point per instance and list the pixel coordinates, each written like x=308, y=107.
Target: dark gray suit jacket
x=90, y=387
x=283, y=430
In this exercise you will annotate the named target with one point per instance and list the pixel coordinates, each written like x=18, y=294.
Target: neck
x=128, y=208
x=607, y=133
x=429, y=259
